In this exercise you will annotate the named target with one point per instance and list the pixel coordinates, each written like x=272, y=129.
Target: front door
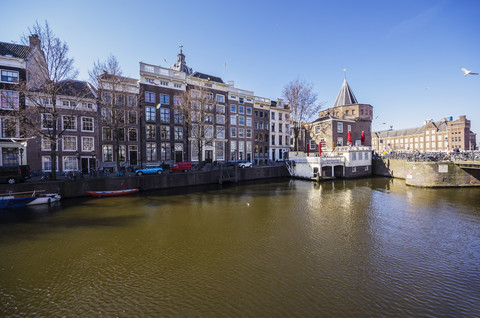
x=133, y=157
x=208, y=156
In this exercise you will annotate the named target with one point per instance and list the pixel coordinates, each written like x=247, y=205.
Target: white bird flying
x=467, y=72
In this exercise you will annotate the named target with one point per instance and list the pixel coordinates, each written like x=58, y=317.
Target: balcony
x=161, y=71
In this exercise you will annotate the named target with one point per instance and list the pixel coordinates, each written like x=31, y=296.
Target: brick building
x=334, y=124
x=443, y=135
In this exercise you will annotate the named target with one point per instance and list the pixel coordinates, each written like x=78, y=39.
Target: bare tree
x=116, y=101
x=197, y=106
x=301, y=100
x=49, y=75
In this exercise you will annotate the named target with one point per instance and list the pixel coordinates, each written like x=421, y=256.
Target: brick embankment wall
x=71, y=189
x=427, y=174
x=395, y=168
x=438, y=174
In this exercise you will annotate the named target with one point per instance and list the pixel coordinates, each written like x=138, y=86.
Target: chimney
x=34, y=40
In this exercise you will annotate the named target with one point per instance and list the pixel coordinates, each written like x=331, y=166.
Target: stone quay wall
x=427, y=174
x=78, y=188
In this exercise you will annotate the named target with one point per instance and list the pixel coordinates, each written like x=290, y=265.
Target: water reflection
x=367, y=247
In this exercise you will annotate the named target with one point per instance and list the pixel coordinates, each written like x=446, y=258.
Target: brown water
x=361, y=248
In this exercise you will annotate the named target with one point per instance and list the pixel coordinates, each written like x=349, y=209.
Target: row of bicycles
x=74, y=175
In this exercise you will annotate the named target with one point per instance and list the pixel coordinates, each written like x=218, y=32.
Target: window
x=178, y=131
x=177, y=117
x=9, y=100
x=280, y=127
x=164, y=115
x=209, y=118
x=209, y=132
x=87, y=124
x=119, y=116
x=150, y=132
x=354, y=169
x=249, y=133
x=166, y=151
x=163, y=83
x=10, y=127
x=221, y=109
x=353, y=156
x=220, y=98
x=220, y=119
x=165, y=132
x=150, y=97
x=9, y=76
x=312, y=145
x=280, y=116
x=151, y=150
x=273, y=115
x=47, y=121
x=360, y=156
x=106, y=133
x=132, y=117
x=164, y=99
x=340, y=127
x=70, y=163
x=150, y=113
x=177, y=100
x=241, y=109
x=249, y=121
x=69, y=143
x=233, y=120
x=273, y=127
x=87, y=144
x=317, y=129
x=107, y=153
x=132, y=101
x=47, y=163
x=240, y=100
x=241, y=132
x=349, y=127
x=233, y=108
x=122, y=153
x=220, y=132
x=69, y=122
x=340, y=141
x=233, y=132
x=241, y=120
x=132, y=134
x=177, y=85
x=249, y=110
x=120, y=100
x=120, y=134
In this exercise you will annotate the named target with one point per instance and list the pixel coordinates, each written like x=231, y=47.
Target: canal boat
x=46, y=198
x=12, y=201
x=112, y=193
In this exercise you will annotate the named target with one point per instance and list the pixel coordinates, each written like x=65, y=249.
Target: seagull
x=467, y=72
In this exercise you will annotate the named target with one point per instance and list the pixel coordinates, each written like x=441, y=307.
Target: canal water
x=356, y=248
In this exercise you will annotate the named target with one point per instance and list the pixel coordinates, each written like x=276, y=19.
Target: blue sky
x=402, y=57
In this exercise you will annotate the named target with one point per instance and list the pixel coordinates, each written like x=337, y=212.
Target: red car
x=181, y=166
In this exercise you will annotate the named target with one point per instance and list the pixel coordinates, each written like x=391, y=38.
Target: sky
x=401, y=57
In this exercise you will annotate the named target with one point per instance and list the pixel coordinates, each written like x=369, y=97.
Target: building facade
x=443, y=135
x=261, y=130
x=279, y=130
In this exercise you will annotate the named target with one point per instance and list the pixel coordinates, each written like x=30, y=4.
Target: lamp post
x=78, y=160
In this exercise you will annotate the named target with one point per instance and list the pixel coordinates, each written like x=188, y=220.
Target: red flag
x=320, y=149
x=349, y=137
x=363, y=138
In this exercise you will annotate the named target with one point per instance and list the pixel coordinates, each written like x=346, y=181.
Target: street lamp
x=78, y=160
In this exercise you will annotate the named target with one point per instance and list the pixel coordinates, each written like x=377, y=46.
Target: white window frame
x=87, y=149
x=74, y=122
x=63, y=143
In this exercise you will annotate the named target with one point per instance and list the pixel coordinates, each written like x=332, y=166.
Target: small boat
x=46, y=198
x=10, y=201
x=100, y=194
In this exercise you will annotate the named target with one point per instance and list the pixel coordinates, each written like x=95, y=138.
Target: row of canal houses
x=243, y=126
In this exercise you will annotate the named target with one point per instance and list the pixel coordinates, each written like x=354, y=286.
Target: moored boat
x=10, y=201
x=46, y=198
x=112, y=193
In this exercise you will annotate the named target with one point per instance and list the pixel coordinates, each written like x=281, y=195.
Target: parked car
x=149, y=170
x=244, y=164
x=14, y=174
x=181, y=166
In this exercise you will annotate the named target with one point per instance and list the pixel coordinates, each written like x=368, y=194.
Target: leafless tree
x=118, y=101
x=49, y=75
x=302, y=102
x=198, y=108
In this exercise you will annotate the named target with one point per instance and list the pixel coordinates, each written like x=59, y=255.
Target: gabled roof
x=207, y=77
x=14, y=50
x=77, y=88
x=345, y=96
x=330, y=117
x=441, y=126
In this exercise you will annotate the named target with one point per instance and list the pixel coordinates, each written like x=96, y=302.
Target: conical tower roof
x=345, y=96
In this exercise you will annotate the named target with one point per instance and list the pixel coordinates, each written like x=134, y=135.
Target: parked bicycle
x=74, y=175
